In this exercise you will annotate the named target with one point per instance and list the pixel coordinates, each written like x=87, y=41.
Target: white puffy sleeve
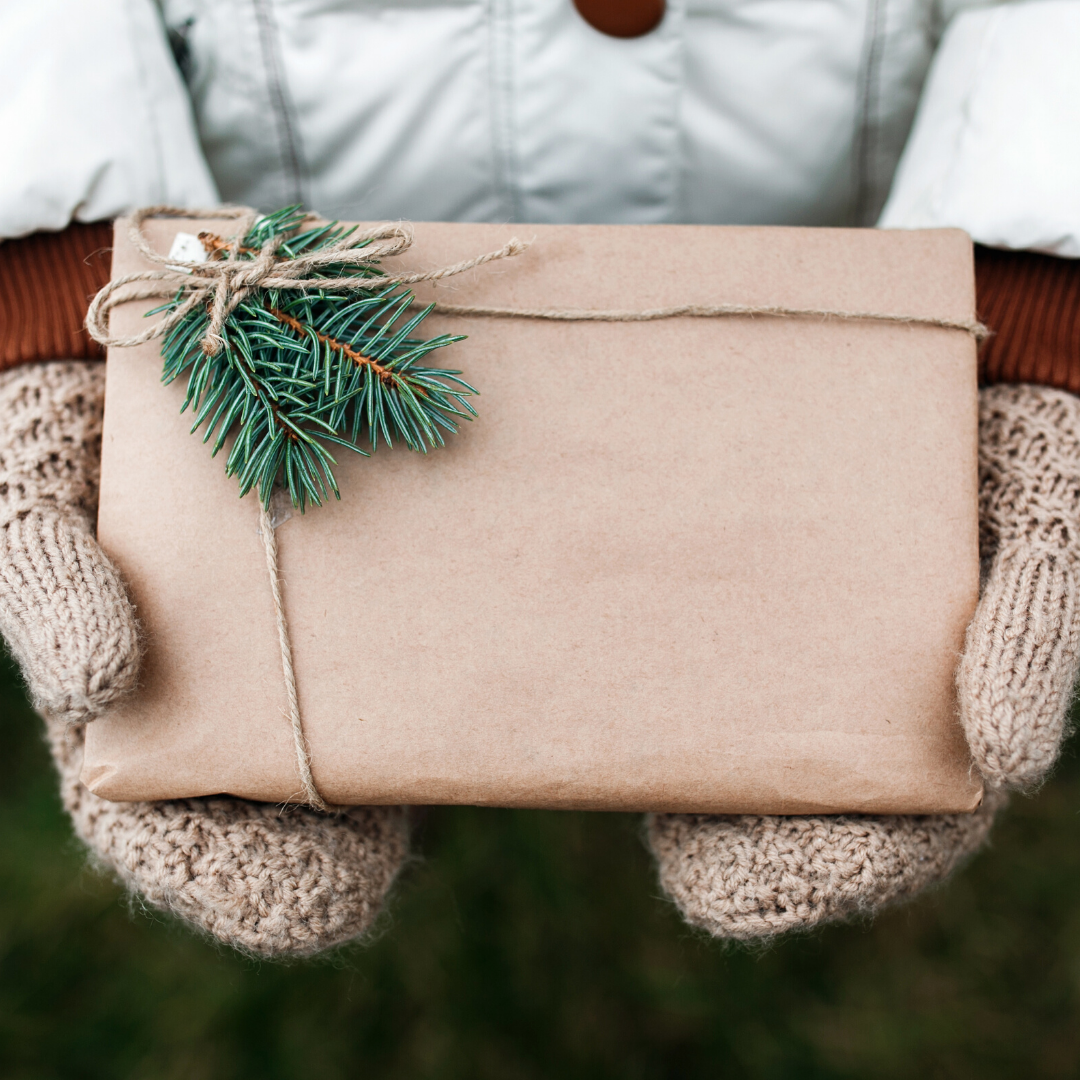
x=95, y=117
x=995, y=148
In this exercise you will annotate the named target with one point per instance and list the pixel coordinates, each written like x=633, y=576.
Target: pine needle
x=301, y=373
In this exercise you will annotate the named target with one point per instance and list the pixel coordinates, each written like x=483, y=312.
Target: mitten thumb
x=63, y=608
x=1023, y=647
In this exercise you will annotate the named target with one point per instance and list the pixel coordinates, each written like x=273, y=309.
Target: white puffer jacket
x=769, y=111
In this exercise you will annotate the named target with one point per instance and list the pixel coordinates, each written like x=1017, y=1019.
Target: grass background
x=525, y=944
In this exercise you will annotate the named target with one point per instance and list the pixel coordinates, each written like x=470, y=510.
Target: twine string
x=979, y=331
x=220, y=285
x=303, y=754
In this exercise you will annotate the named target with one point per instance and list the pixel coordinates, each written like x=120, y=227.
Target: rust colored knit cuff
x=46, y=282
x=1031, y=301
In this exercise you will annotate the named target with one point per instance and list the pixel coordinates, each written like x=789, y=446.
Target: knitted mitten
x=265, y=880
x=754, y=876
x=63, y=609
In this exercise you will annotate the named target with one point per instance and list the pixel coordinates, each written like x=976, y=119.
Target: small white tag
x=186, y=248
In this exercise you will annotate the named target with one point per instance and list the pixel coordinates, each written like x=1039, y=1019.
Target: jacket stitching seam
x=281, y=102
x=502, y=105
x=868, y=93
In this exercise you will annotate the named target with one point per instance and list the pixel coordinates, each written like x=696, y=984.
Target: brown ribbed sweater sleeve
x=46, y=282
x=1032, y=302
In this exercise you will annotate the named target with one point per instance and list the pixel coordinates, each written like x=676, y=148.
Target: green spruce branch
x=300, y=373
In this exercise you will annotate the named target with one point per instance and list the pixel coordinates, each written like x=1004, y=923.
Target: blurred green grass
x=523, y=944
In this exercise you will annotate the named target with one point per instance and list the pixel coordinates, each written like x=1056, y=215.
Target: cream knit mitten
x=267, y=881
x=277, y=883
x=63, y=609
x=757, y=876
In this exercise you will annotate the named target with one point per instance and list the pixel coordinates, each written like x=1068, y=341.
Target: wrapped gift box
x=697, y=564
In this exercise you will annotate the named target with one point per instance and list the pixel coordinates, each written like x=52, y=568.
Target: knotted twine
x=221, y=285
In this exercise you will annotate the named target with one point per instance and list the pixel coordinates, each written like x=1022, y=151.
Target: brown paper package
x=699, y=564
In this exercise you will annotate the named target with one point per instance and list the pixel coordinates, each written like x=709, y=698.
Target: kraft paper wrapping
x=716, y=565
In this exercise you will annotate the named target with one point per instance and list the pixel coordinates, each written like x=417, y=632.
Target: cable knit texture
x=267, y=880
x=755, y=876
x=749, y=877
x=1023, y=646
x=63, y=608
x=273, y=882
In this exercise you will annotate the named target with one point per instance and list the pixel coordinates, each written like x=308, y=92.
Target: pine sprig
x=300, y=373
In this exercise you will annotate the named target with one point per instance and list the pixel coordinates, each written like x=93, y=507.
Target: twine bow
x=220, y=285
